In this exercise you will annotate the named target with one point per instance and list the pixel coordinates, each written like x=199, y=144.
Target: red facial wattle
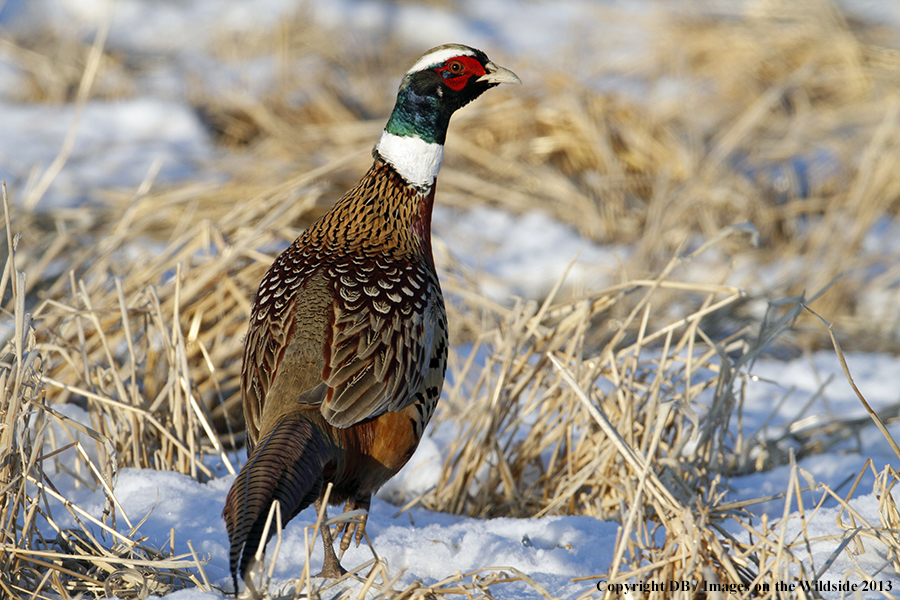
x=456, y=72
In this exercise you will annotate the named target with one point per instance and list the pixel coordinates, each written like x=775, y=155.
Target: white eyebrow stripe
x=437, y=57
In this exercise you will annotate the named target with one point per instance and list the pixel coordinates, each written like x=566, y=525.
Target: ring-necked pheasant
x=347, y=344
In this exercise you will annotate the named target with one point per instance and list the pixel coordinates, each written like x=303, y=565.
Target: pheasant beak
x=497, y=74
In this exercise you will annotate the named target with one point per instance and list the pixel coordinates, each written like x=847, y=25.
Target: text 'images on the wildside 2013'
x=734, y=588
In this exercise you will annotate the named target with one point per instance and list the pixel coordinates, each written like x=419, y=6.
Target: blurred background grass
x=785, y=116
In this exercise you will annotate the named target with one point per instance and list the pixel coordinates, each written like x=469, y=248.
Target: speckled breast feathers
x=351, y=317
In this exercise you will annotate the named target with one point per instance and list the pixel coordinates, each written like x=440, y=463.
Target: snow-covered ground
x=554, y=550
x=119, y=143
x=430, y=546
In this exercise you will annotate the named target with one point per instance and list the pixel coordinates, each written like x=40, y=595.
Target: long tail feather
x=285, y=466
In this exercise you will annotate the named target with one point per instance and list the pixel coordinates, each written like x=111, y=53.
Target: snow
x=119, y=142
x=524, y=255
x=429, y=545
x=116, y=146
x=150, y=26
x=552, y=550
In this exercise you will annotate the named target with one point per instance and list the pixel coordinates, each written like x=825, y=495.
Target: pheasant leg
x=331, y=567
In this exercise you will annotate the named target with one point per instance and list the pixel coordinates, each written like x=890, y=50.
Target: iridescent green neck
x=419, y=115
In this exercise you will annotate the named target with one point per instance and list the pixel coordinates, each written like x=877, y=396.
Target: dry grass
x=607, y=403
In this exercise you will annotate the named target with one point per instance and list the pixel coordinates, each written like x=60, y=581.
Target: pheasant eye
x=455, y=67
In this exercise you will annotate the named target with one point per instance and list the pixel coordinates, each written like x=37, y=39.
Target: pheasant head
x=444, y=80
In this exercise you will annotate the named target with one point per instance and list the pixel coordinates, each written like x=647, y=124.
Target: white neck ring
x=416, y=160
